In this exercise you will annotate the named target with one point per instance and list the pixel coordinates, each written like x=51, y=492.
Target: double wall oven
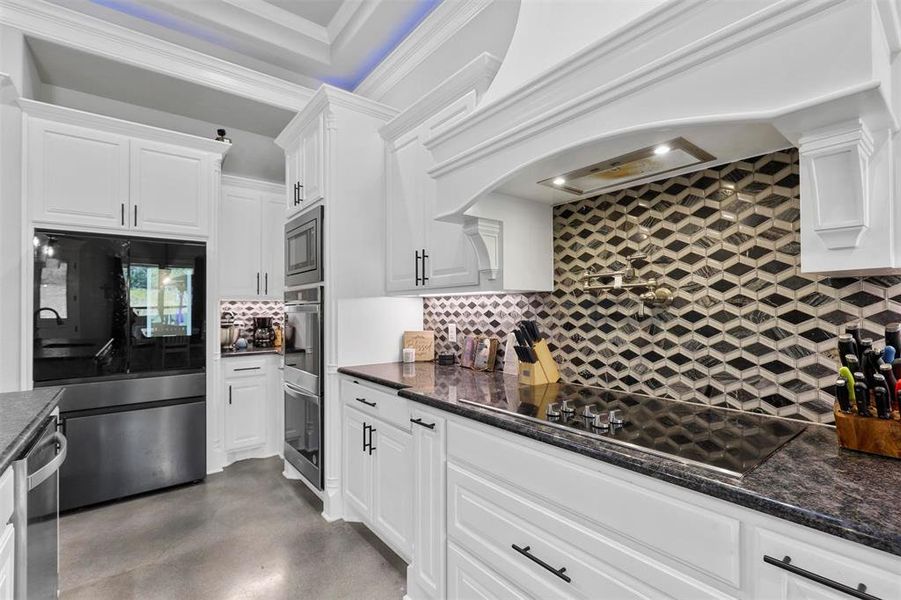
x=304, y=382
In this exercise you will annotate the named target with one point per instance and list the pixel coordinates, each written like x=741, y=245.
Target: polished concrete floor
x=244, y=533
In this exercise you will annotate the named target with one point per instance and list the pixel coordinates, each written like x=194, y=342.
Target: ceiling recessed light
x=661, y=149
x=559, y=181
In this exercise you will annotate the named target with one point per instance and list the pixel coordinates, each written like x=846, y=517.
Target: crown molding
x=80, y=118
x=251, y=183
x=476, y=75
x=70, y=28
x=325, y=96
x=441, y=24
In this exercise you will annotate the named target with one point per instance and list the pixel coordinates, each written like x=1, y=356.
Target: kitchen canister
x=409, y=355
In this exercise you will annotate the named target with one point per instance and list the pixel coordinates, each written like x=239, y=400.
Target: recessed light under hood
x=658, y=159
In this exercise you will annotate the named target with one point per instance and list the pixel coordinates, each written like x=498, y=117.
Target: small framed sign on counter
x=423, y=342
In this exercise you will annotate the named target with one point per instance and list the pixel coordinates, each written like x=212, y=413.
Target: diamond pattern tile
x=746, y=330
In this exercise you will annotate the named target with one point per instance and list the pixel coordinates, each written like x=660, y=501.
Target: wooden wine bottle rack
x=868, y=434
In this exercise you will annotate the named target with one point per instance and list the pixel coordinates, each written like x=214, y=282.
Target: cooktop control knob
x=566, y=406
x=589, y=411
x=553, y=410
x=601, y=421
x=615, y=417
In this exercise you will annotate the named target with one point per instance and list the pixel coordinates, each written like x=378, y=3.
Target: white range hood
x=734, y=79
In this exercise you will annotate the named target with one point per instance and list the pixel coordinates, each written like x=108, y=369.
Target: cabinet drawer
x=388, y=407
x=239, y=366
x=525, y=541
x=842, y=567
x=678, y=532
x=468, y=578
x=6, y=496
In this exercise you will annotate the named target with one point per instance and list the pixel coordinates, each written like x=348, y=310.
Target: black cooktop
x=729, y=441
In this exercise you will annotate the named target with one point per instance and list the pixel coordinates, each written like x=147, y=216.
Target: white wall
x=549, y=32
x=251, y=155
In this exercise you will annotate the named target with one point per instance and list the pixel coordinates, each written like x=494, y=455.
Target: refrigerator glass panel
x=80, y=306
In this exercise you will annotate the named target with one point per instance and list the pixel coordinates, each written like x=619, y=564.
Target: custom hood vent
x=651, y=161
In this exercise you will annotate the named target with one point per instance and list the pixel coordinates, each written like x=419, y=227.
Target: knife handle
x=852, y=362
x=888, y=355
x=847, y=346
x=883, y=408
x=862, y=397
x=842, y=395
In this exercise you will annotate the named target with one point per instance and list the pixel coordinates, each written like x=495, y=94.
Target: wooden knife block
x=544, y=371
x=868, y=434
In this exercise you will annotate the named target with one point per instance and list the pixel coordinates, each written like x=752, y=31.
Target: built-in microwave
x=303, y=249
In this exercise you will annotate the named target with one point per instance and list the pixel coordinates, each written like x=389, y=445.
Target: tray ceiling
x=303, y=41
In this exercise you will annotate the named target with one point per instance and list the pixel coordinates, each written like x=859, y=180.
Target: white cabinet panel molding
x=834, y=177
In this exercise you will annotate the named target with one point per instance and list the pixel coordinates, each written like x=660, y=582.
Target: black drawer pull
x=423, y=423
x=247, y=369
x=785, y=563
x=366, y=402
x=558, y=572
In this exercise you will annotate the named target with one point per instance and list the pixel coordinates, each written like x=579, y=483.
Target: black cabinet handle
x=123, y=214
x=300, y=197
x=417, y=268
x=785, y=563
x=267, y=284
x=423, y=423
x=425, y=277
x=296, y=193
x=136, y=215
x=558, y=572
x=365, y=427
x=371, y=447
x=258, y=283
x=366, y=402
x=229, y=394
x=248, y=369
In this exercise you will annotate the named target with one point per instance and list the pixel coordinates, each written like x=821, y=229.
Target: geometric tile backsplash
x=746, y=329
x=246, y=310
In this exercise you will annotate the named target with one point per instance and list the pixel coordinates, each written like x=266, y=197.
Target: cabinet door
x=240, y=243
x=272, y=237
x=292, y=179
x=451, y=258
x=357, y=463
x=170, y=189
x=245, y=411
x=392, y=486
x=76, y=176
x=406, y=163
x=429, y=532
x=312, y=142
x=7, y=560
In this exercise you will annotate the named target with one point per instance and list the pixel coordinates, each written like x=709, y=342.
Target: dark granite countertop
x=250, y=351
x=809, y=481
x=21, y=415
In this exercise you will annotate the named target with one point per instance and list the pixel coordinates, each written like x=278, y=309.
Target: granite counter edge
x=12, y=451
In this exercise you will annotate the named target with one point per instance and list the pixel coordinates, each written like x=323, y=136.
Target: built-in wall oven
x=303, y=249
x=303, y=382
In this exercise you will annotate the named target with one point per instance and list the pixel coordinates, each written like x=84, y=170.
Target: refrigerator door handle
x=44, y=473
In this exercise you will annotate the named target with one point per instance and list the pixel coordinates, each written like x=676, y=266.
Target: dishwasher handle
x=44, y=473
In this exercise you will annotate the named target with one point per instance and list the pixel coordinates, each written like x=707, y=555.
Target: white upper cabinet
x=496, y=245
x=251, y=247
x=305, y=166
x=169, y=188
x=95, y=172
x=77, y=176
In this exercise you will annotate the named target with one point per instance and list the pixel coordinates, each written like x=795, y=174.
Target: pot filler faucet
x=59, y=320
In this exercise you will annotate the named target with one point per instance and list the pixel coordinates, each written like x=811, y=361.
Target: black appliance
x=303, y=382
x=36, y=514
x=728, y=441
x=121, y=322
x=303, y=249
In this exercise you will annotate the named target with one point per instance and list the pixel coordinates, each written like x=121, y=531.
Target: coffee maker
x=263, y=332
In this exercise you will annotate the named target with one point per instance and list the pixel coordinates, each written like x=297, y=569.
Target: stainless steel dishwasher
x=36, y=514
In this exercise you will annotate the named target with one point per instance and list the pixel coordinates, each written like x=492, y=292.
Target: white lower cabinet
x=249, y=404
x=497, y=515
x=378, y=467
x=7, y=561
